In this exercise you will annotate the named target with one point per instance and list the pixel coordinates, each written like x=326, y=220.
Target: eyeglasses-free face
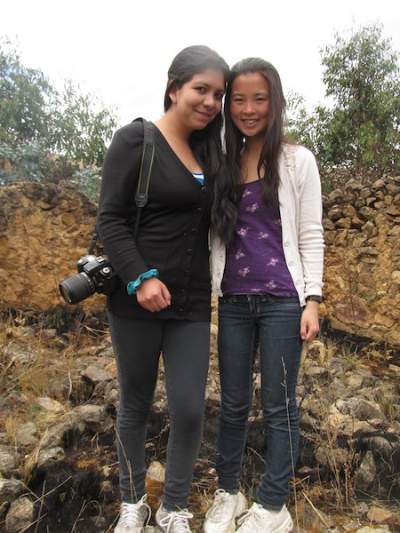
x=249, y=105
x=198, y=101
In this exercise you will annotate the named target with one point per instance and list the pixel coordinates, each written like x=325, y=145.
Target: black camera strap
x=146, y=165
x=142, y=191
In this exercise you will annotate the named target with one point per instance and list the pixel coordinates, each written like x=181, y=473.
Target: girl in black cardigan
x=163, y=304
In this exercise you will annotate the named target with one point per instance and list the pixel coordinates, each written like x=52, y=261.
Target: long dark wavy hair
x=206, y=143
x=228, y=189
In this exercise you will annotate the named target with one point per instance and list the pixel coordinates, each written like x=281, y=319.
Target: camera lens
x=76, y=288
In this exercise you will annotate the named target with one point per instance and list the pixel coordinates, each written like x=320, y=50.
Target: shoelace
x=217, y=508
x=132, y=514
x=249, y=520
x=178, y=520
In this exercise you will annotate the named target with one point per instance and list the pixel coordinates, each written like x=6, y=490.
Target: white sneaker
x=133, y=517
x=220, y=518
x=173, y=521
x=260, y=520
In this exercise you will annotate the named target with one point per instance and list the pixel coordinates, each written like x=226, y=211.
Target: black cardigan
x=173, y=232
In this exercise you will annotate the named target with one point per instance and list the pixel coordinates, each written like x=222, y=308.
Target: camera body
x=95, y=274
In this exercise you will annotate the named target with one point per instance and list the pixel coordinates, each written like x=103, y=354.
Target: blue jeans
x=274, y=323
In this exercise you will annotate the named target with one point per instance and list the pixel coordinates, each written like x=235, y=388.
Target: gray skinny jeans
x=185, y=347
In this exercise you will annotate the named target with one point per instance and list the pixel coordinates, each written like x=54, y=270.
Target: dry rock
x=7, y=459
x=335, y=213
x=156, y=471
x=112, y=396
x=20, y=353
x=328, y=224
x=395, y=369
x=345, y=425
x=351, y=526
x=50, y=405
x=3, y=509
x=368, y=529
x=378, y=184
x=362, y=409
x=354, y=381
x=366, y=473
x=332, y=456
x=335, y=196
x=94, y=417
x=308, y=421
x=50, y=456
x=343, y=223
x=26, y=435
x=20, y=515
x=96, y=374
x=394, y=211
x=380, y=445
x=349, y=211
x=316, y=371
x=379, y=515
x=10, y=489
x=316, y=352
x=55, y=435
x=361, y=508
x=50, y=333
x=155, y=479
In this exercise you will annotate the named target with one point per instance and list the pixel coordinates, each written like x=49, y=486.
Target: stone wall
x=362, y=265
x=45, y=228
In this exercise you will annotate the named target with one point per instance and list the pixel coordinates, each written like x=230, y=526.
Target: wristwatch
x=314, y=298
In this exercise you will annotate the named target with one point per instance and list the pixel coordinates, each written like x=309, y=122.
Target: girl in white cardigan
x=267, y=259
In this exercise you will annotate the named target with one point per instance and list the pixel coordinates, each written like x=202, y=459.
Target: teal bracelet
x=133, y=286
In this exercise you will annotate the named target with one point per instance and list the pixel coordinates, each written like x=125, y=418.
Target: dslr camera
x=95, y=274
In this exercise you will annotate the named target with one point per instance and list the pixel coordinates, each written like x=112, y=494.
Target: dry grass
x=49, y=371
x=32, y=365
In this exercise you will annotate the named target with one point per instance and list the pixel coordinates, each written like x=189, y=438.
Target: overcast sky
x=121, y=50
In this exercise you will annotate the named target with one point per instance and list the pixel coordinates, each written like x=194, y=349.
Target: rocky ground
x=58, y=468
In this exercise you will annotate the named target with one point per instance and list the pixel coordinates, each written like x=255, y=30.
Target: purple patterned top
x=255, y=262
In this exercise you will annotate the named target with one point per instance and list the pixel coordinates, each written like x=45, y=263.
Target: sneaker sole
x=143, y=529
x=240, y=509
x=231, y=528
x=287, y=527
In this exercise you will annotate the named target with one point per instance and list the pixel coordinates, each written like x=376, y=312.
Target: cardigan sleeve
x=311, y=239
x=117, y=202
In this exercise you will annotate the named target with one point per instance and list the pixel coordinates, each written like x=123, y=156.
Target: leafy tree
x=80, y=127
x=24, y=97
x=362, y=126
x=302, y=126
x=69, y=128
x=362, y=76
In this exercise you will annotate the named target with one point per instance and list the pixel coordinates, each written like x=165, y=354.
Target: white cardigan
x=300, y=206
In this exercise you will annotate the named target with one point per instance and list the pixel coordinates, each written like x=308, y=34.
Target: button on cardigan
x=173, y=231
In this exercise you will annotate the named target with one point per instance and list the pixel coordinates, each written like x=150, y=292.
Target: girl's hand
x=309, y=325
x=153, y=295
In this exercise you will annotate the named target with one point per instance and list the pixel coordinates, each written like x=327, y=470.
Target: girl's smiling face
x=199, y=100
x=249, y=103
